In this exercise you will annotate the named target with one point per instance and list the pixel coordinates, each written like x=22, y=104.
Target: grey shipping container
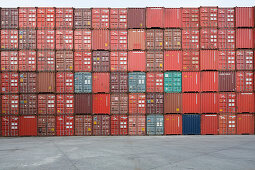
x=82, y=18
x=46, y=82
x=191, y=124
x=137, y=82
x=119, y=82
x=172, y=39
x=227, y=81
x=155, y=124
x=83, y=103
x=119, y=103
x=9, y=18
x=27, y=82
x=155, y=103
x=101, y=61
x=83, y=82
x=136, y=17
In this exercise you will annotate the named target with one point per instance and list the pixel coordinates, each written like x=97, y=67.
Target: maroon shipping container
x=244, y=16
x=46, y=104
x=244, y=60
x=154, y=61
x=136, y=17
x=136, y=124
x=244, y=81
x=83, y=104
x=46, y=125
x=82, y=18
x=27, y=39
x=244, y=38
x=154, y=82
x=100, y=18
x=191, y=102
x=173, y=103
x=27, y=126
x=172, y=18
x=155, y=103
x=27, y=82
x=64, y=39
x=101, y=125
x=64, y=82
x=119, y=125
x=83, y=125
x=227, y=102
x=227, y=81
x=10, y=126
x=118, y=60
x=119, y=39
x=101, y=103
x=209, y=59
x=101, y=82
x=226, y=17
x=27, y=60
x=190, y=81
x=65, y=103
x=10, y=82
x=209, y=38
x=190, y=17
x=101, y=39
x=27, y=17
x=208, y=16
x=65, y=125
x=209, y=124
x=64, y=60
x=10, y=104
x=209, y=103
x=119, y=103
x=82, y=39
x=137, y=103
x=9, y=39
x=9, y=18
x=209, y=81
x=46, y=61
x=82, y=61
x=101, y=61
x=118, y=18
x=226, y=39
x=154, y=39
x=136, y=39
x=172, y=60
x=172, y=39
x=190, y=60
x=46, y=18
x=64, y=18
x=155, y=17
x=9, y=60
x=227, y=60
x=119, y=82
x=45, y=39
x=28, y=104
x=46, y=82
x=190, y=38
x=136, y=61
x=245, y=103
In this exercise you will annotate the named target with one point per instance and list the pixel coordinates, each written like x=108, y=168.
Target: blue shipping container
x=191, y=124
x=82, y=82
x=155, y=124
x=137, y=81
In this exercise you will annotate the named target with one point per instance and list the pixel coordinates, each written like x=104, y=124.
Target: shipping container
x=227, y=60
x=227, y=81
x=191, y=82
x=10, y=126
x=209, y=38
x=10, y=104
x=46, y=82
x=173, y=124
x=118, y=39
x=244, y=60
x=245, y=124
x=118, y=18
x=82, y=18
x=209, y=124
x=82, y=39
x=65, y=103
x=227, y=124
x=119, y=103
x=46, y=18
x=173, y=103
x=137, y=82
x=119, y=82
x=136, y=39
x=226, y=17
x=118, y=60
x=244, y=81
x=82, y=82
x=9, y=18
x=28, y=104
x=28, y=126
x=27, y=60
x=155, y=17
x=101, y=125
x=155, y=124
x=190, y=17
x=82, y=61
x=45, y=60
x=119, y=125
x=190, y=38
x=154, y=61
x=154, y=82
x=101, y=39
x=101, y=103
x=64, y=39
x=9, y=39
x=244, y=38
x=208, y=16
x=190, y=60
x=191, y=103
x=83, y=103
x=9, y=61
x=172, y=39
x=101, y=82
x=45, y=39
x=65, y=125
x=136, y=17
x=136, y=61
x=245, y=103
x=209, y=102
x=64, y=82
x=172, y=18
x=100, y=18
x=83, y=125
x=244, y=16
x=27, y=39
x=137, y=103
x=64, y=18
x=154, y=103
x=46, y=104
x=209, y=59
x=10, y=82
x=172, y=60
x=64, y=60
x=27, y=82
x=46, y=125
x=191, y=124
x=226, y=39
x=227, y=102
x=154, y=39
x=173, y=82
x=209, y=81
x=136, y=125
x=101, y=61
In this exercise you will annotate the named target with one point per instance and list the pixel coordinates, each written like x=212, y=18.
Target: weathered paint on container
x=101, y=125
x=154, y=17
x=27, y=82
x=119, y=82
x=155, y=124
x=9, y=39
x=101, y=39
x=209, y=102
x=119, y=103
x=101, y=61
x=64, y=60
x=64, y=39
x=64, y=82
x=45, y=39
x=245, y=103
x=118, y=39
x=173, y=124
x=119, y=125
x=245, y=124
x=226, y=39
x=65, y=103
x=46, y=82
x=9, y=18
x=46, y=61
x=136, y=39
x=209, y=59
x=191, y=103
x=173, y=18
x=173, y=82
x=227, y=124
x=190, y=17
x=172, y=39
x=9, y=60
x=227, y=81
x=65, y=125
x=10, y=126
x=118, y=60
x=173, y=103
x=155, y=103
x=10, y=82
x=191, y=81
x=190, y=38
x=83, y=103
x=83, y=125
x=100, y=18
x=208, y=16
x=209, y=124
x=244, y=16
x=136, y=125
x=227, y=102
x=10, y=104
x=209, y=38
x=82, y=18
x=154, y=39
x=46, y=18
x=101, y=103
x=191, y=124
x=154, y=60
x=244, y=38
x=226, y=17
x=244, y=81
x=27, y=39
x=136, y=61
x=136, y=17
x=46, y=104
x=28, y=126
x=101, y=82
x=46, y=125
x=190, y=60
x=137, y=82
x=154, y=82
x=27, y=60
x=64, y=18
x=209, y=81
x=227, y=60
x=118, y=18
x=172, y=60
x=244, y=59
x=82, y=61
x=137, y=103
x=82, y=39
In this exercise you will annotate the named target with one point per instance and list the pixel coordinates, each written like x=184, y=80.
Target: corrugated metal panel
x=100, y=18
x=118, y=60
x=190, y=38
x=190, y=60
x=64, y=18
x=190, y=17
x=172, y=60
x=209, y=81
x=82, y=18
x=46, y=104
x=172, y=18
x=83, y=125
x=9, y=60
x=136, y=17
x=154, y=17
x=101, y=39
x=191, y=124
x=82, y=103
x=9, y=18
x=244, y=81
x=28, y=126
x=190, y=81
x=226, y=39
x=245, y=124
x=45, y=39
x=208, y=16
x=137, y=103
x=172, y=39
x=209, y=38
x=209, y=59
x=154, y=82
x=155, y=103
x=119, y=103
x=209, y=124
x=64, y=39
x=173, y=124
x=64, y=82
x=101, y=103
x=46, y=18
x=227, y=102
x=9, y=39
x=82, y=61
x=45, y=60
x=27, y=17
x=65, y=125
x=64, y=60
x=119, y=82
x=154, y=61
x=82, y=39
x=136, y=125
x=101, y=82
x=119, y=39
x=83, y=82
x=244, y=60
x=245, y=103
x=227, y=81
x=65, y=103
x=244, y=16
x=10, y=126
x=136, y=39
x=46, y=82
x=227, y=124
x=191, y=103
x=173, y=103
x=119, y=125
x=155, y=124
x=244, y=38
x=136, y=61
x=101, y=61
x=10, y=82
x=101, y=125
x=46, y=125
x=226, y=17
x=137, y=82
x=227, y=60
x=10, y=104
x=154, y=39
x=27, y=60
x=172, y=82
x=27, y=82
x=118, y=18
x=209, y=102
x=27, y=39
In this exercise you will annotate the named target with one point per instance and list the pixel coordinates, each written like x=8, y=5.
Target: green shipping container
x=173, y=82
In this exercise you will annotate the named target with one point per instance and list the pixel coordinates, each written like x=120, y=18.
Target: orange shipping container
x=173, y=124
x=245, y=124
x=136, y=61
x=190, y=81
x=101, y=39
x=172, y=60
x=136, y=39
x=227, y=124
x=209, y=124
x=172, y=18
x=209, y=103
x=173, y=102
x=209, y=81
x=154, y=17
x=45, y=39
x=209, y=59
x=245, y=103
x=191, y=102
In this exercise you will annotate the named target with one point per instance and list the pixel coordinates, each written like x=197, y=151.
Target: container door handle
x=196, y=78
x=178, y=59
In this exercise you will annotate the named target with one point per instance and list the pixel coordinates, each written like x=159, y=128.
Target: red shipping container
x=209, y=59
x=46, y=61
x=173, y=124
x=245, y=103
x=209, y=102
x=154, y=17
x=136, y=61
x=172, y=18
x=10, y=104
x=101, y=125
x=209, y=38
x=101, y=103
x=10, y=126
x=9, y=18
x=64, y=18
x=172, y=39
x=27, y=60
x=227, y=81
x=118, y=60
x=64, y=39
x=190, y=38
x=83, y=103
x=119, y=125
x=27, y=17
x=226, y=39
x=208, y=16
x=82, y=39
x=119, y=103
x=101, y=82
x=118, y=18
x=46, y=125
x=64, y=60
x=82, y=61
x=244, y=81
x=46, y=39
x=46, y=81
x=119, y=39
x=136, y=17
x=209, y=81
x=155, y=103
x=154, y=39
x=28, y=126
x=226, y=17
x=190, y=17
x=173, y=103
x=172, y=60
x=191, y=103
x=244, y=38
x=227, y=102
x=190, y=81
x=136, y=124
x=82, y=18
x=119, y=82
x=227, y=60
x=28, y=104
x=154, y=60
x=209, y=124
x=9, y=39
x=46, y=104
x=27, y=82
x=100, y=18
x=83, y=125
x=9, y=61
x=10, y=82
x=227, y=124
x=154, y=82
x=244, y=16
x=245, y=124
x=101, y=39
x=46, y=18
x=244, y=60
x=137, y=103
x=64, y=82
x=65, y=103
x=136, y=39
x=27, y=39
x=65, y=125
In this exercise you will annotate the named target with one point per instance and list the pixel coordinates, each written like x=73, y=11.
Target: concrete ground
x=128, y=152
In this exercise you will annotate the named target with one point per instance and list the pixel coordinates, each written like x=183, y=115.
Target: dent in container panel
x=46, y=104
x=101, y=82
x=82, y=18
x=83, y=103
x=137, y=82
x=209, y=81
x=83, y=82
x=64, y=39
x=27, y=17
x=137, y=103
x=136, y=61
x=154, y=61
x=155, y=124
x=118, y=60
x=191, y=103
x=190, y=81
x=101, y=103
x=226, y=17
x=9, y=18
x=119, y=39
x=65, y=103
x=190, y=38
x=227, y=81
x=28, y=126
x=27, y=82
x=10, y=126
x=46, y=125
x=100, y=18
x=119, y=103
x=244, y=38
x=226, y=39
x=245, y=124
x=208, y=16
x=64, y=18
x=227, y=124
x=10, y=104
x=244, y=59
x=46, y=82
x=136, y=39
x=227, y=60
x=46, y=18
x=9, y=39
x=101, y=61
x=100, y=39
x=64, y=60
x=118, y=18
x=154, y=103
x=64, y=82
x=119, y=82
x=136, y=17
x=172, y=18
x=82, y=39
x=209, y=59
x=10, y=82
x=244, y=81
x=172, y=39
x=172, y=82
x=27, y=60
x=45, y=39
x=154, y=17
x=244, y=16
x=136, y=125
x=46, y=60
x=27, y=39
x=209, y=38
x=65, y=125
x=209, y=102
x=83, y=125
x=154, y=39
x=173, y=124
x=82, y=61
x=9, y=60
x=28, y=104
x=173, y=103
x=119, y=125
x=209, y=124
x=172, y=60
x=101, y=125
x=191, y=124
x=154, y=82
x=245, y=103
x=227, y=102
x=190, y=17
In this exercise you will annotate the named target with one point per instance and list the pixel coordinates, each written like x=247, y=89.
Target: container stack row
x=127, y=71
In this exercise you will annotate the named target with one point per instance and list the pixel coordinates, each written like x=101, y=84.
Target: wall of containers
x=132, y=71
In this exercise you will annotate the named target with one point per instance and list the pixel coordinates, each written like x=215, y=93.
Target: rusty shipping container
x=46, y=82
x=46, y=18
x=209, y=102
x=64, y=60
x=244, y=16
x=10, y=126
x=27, y=39
x=209, y=80
x=64, y=39
x=101, y=82
x=227, y=60
x=118, y=60
x=100, y=18
x=83, y=103
x=83, y=125
x=209, y=124
x=27, y=82
x=82, y=61
x=136, y=61
x=209, y=38
x=173, y=103
x=65, y=125
x=173, y=18
x=28, y=104
x=154, y=60
x=46, y=104
x=136, y=125
x=45, y=60
x=227, y=124
x=191, y=103
x=119, y=103
x=9, y=60
x=9, y=18
x=119, y=125
x=244, y=38
x=154, y=39
x=118, y=18
x=82, y=39
x=172, y=60
x=208, y=16
x=82, y=18
x=173, y=124
x=64, y=82
x=172, y=39
x=28, y=125
x=101, y=125
x=101, y=61
x=101, y=103
x=154, y=103
x=245, y=103
x=118, y=39
x=119, y=82
x=209, y=59
x=45, y=39
x=137, y=103
x=244, y=81
x=227, y=81
x=136, y=39
x=245, y=124
x=64, y=18
x=226, y=17
x=190, y=17
x=27, y=60
x=10, y=104
x=227, y=102
x=46, y=125
x=101, y=39
x=190, y=81
x=154, y=17
x=136, y=18
x=154, y=82
x=244, y=59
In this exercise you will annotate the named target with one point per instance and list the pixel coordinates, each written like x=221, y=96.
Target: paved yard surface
x=137, y=152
